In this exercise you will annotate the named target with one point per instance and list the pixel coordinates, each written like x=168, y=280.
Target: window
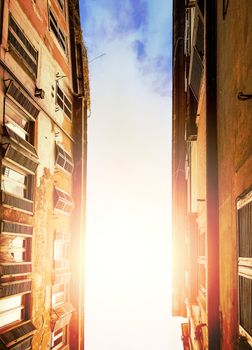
x=61, y=255
x=244, y=226
x=197, y=54
x=19, y=137
x=22, y=48
x=24, y=103
x=63, y=159
x=9, y=227
x=13, y=309
x=59, y=338
x=1, y=18
x=53, y=26
x=225, y=4
x=61, y=316
x=62, y=201
x=21, y=336
x=16, y=189
x=14, y=248
x=59, y=294
x=16, y=183
x=63, y=102
x=13, y=182
x=61, y=4
x=19, y=124
x=9, y=288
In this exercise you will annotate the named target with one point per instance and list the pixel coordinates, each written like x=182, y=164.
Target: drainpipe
x=213, y=322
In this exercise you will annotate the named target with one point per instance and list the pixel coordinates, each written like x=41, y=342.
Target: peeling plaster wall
x=51, y=126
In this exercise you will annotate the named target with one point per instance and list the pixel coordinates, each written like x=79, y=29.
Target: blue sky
x=143, y=25
x=128, y=244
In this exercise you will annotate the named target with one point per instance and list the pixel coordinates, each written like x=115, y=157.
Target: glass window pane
x=10, y=303
x=7, y=318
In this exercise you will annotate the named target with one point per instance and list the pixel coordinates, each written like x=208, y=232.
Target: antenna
x=101, y=55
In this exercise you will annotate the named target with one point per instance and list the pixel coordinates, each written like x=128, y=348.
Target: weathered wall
x=51, y=126
x=234, y=50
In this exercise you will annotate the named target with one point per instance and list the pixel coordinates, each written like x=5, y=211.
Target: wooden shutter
x=11, y=201
x=16, y=287
x=17, y=334
x=18, y=96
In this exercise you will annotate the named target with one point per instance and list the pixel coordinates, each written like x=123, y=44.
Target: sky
x=128, y=243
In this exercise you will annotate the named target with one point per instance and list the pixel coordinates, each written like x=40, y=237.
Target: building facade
x=44, y=101
x=212, y=172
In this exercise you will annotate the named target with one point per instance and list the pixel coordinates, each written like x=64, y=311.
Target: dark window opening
x=63, y=102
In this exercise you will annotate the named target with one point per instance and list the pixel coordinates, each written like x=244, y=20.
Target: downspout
x=212, y=206
x=82, y=223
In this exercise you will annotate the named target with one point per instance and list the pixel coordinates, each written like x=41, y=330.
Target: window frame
x=244, y=263
x=61, y=332
x=24, y=308
x=63, y=202
x=13, y=118
x=58, y=33
x=27, y=186
x=62, y=5
x=63, y=102
x=24, y=250
x=24, y=44
x=63, y=159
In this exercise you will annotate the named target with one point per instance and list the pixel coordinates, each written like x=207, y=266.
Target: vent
x=13, y=288
x=63, y=102
x=11, y=201
x=22, y=46
x=63, y=159
x=18, y=334
x=62, y=201
x=15, y=269
x=21, y=159
x=245, y=303
x=20, y=141
x=15, y=228
x=15, y=93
